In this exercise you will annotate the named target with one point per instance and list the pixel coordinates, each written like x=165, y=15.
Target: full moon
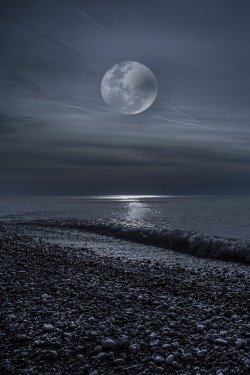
x=129, y=87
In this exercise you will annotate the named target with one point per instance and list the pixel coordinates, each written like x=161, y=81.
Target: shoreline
x=70, y=310
x=179, y=241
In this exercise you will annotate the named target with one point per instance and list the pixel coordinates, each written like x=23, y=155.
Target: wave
x=190, y=242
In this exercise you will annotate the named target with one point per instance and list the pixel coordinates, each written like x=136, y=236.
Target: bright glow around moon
x=129, y=87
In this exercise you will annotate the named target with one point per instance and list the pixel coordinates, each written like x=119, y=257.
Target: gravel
x=73, y=311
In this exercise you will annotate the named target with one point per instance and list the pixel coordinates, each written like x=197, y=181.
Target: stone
x=21, y=338
x=177, y=365
x=220, y=341
x=47, y=327
x=200, y=327
x=118, y=362
x=228, y=313
x=101, y=356
x=109, y=344
x=79, y=348
x=169, y=359
x=158, y=358
x=200, y=353
x=53, y=355
x=134, y=348
x=247, y=363
x=11, y=317
x=123, y=342
x=240, y=343
x=97, y=349
x=159, y=370
x=46, y=296
x=187, y=357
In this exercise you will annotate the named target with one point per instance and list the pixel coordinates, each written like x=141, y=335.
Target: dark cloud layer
x=57, y=136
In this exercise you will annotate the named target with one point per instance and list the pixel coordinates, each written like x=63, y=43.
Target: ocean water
x=201, y=225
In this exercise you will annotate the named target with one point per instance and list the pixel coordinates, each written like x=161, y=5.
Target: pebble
x=47, y=327
x=158, y=358
x=177, y=365
x=200, y=327
x=159, y=370
x=123, y=342
x=102, y=355
x=11, y=317
x=80, y=348
x=169, y=359
x=247, y=363
x=97, y=349
x=119, y=362
x=134, y=348
x=46, y=296
x=53, y=354
x=109, y=344
x=240, y=343
x=220, y=341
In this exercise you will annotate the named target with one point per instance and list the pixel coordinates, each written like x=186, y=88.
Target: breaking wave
x=172, y=239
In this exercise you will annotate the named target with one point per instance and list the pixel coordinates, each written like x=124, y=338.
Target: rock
x=97, y=349
x=123, y=342
x=247, y=363
x=53, y=355
x=159, y=370
x=134, y=348
x=80, y=348
x=172, y=315
x=169, y=359
x=158, y=358
x=228, y=313
x=101, y=356
x=47, y=327
x=177, y=365
x=46, y=296
x=240, y=343
x=153, y=335
x=118, y=362
x=11, y=317
x=91, y=320
x=220, y=341
x=21, y=338
x=200, y=353
x=200, y=327
x=109, y=344
x=83, y=370
x=187, y=357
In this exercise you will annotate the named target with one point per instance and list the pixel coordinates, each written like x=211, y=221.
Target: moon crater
x=129, y=87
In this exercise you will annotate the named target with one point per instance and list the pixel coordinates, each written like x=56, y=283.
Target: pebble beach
x=74, y=310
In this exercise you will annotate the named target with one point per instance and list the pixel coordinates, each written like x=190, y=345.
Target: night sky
x=57, y=135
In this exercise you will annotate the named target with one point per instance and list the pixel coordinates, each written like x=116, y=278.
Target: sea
x=206, y=226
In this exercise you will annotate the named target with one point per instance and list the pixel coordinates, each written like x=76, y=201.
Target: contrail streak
x=179, y=110
x=96, y=23
x=59, y=45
